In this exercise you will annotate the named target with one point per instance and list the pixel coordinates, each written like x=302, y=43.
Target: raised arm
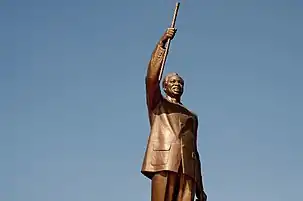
x=153, y=92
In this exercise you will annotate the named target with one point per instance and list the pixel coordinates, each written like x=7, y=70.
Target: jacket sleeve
x=153, y=92
x=199, y=168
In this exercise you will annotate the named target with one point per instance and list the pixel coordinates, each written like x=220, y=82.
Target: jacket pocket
x=160, y=154
x=161, y=147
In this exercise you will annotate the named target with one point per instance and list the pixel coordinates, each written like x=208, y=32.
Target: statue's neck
x=173, y=100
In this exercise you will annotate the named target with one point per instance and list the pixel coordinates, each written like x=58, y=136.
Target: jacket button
x=193, y=154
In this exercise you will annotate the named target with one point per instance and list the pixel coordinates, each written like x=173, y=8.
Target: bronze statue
x=171, y=159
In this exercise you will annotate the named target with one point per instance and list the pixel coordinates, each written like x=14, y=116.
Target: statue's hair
x=166, y=78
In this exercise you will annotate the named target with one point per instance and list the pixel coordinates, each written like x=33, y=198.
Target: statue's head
x=173, y=85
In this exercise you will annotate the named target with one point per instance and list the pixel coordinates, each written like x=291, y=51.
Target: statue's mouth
x=176, y=88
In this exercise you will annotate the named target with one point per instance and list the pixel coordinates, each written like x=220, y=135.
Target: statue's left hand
x=202, y=196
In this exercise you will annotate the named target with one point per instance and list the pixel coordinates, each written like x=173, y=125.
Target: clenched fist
x=169, y=34
x=202, y=197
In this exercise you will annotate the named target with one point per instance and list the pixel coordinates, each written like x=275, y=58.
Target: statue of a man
x=171, y=159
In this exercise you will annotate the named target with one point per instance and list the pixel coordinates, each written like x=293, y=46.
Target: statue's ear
x=164, y=87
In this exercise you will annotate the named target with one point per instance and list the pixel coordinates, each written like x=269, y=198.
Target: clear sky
x=73, y=121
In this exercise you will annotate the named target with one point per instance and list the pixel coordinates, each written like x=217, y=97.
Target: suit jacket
x=173, y=129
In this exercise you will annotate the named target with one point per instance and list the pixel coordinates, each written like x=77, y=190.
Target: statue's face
x=174, y=86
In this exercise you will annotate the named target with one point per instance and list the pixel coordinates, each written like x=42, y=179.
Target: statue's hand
x=169, y=34
x=201, y=196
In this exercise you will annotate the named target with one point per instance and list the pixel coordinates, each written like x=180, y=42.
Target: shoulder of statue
x=193, y=113
x=195, y=116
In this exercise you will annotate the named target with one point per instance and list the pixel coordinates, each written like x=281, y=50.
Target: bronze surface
x=171, y=154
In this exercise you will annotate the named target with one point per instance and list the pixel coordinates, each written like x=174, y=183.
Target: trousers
x=172, y=186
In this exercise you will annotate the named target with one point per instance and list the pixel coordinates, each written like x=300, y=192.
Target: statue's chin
x=174, y=94
x=177, y=93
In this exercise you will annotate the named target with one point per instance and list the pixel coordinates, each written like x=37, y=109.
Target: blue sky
x=73, y=121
